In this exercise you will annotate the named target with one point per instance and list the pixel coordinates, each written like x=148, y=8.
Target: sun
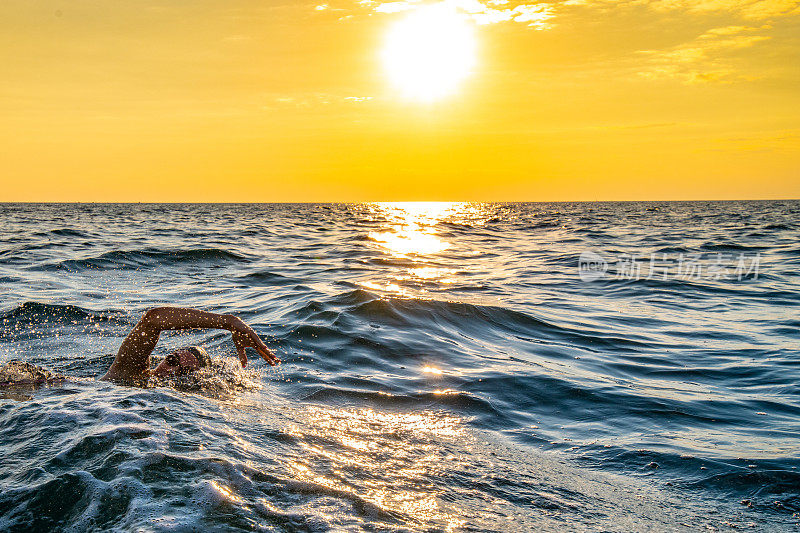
x=429, y=53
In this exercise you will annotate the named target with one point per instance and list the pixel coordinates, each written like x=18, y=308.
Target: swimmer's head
x=183, y=361
x=200, y=353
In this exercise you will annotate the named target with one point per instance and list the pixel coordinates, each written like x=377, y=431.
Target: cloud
x=768, y=141
x=491, y=12
x=731, y=30
x=311, y=100
x=394, y=7
x=750, y=9
x=540, y=14
x=535, y=15
x=759, y=9
x=772, y=8
x=704, y=58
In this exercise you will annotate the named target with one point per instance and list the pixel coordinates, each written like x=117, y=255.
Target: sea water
x=446, y=367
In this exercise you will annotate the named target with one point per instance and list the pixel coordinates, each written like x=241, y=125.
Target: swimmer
x=132, y=363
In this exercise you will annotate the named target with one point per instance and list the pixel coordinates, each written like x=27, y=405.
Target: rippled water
x=445, y=367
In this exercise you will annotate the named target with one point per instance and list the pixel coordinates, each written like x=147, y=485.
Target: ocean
x=627, y=366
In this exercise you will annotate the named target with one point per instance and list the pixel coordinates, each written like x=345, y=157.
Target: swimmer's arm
x=133, y=359
x=243, y=335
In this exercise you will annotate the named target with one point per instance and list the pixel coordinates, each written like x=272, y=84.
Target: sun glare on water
x=429, y=53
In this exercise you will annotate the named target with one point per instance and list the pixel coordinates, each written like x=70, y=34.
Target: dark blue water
x=446, y=367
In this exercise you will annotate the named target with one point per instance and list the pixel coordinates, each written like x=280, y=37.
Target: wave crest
x=132, y=259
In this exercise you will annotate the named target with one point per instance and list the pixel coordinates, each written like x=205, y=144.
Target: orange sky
x=232, y=100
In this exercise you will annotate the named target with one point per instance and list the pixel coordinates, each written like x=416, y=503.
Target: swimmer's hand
x=244, y=337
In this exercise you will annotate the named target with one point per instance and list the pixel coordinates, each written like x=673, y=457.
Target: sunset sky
x=234, y=100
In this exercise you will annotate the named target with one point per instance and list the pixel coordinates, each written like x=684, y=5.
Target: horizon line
x=178, y=202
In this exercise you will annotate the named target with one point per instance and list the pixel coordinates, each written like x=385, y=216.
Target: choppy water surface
x=445, y=367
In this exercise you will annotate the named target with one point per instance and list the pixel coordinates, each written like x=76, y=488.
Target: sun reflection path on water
x=409, y=226
x=409, y=232
x=390, y=460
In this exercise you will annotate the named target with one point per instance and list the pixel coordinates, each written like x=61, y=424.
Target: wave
x=40, y=313
x=776, y=489
x=134, y=259
x=265, y=277
x=462, y=402
x=771, y=484
x=466, y=317
x=730, y=247
x=64, y=232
